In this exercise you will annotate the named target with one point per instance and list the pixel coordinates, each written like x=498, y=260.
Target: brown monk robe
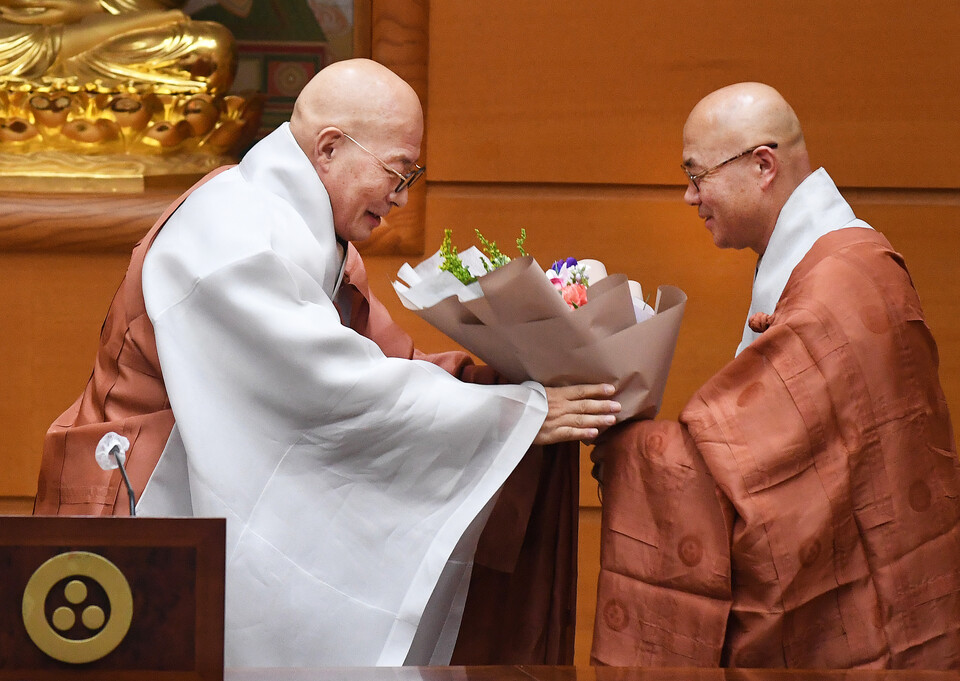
x=805, y=510
x=522, y=598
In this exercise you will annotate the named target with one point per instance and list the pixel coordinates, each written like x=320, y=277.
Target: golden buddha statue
x=106, y=45
x=99, y=82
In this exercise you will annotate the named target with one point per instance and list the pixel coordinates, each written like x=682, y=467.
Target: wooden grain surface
x=103, y=223
x=598, y=92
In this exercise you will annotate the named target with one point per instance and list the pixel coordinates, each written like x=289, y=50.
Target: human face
x=722, y=186
x=370, y=178
x=404, y=180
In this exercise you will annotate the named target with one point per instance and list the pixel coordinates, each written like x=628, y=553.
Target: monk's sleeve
x=664, y=590
x=521, y=606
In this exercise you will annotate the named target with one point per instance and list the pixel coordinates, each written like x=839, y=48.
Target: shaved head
x=744, y=145
x=747, y=114
x=357, y=95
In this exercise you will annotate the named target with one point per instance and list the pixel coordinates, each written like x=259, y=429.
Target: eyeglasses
x=406, y=181
x=695, y=179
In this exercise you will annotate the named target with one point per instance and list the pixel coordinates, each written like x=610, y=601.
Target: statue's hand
x=47, y=12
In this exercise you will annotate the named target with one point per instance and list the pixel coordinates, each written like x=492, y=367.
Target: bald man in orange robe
x=805, y=510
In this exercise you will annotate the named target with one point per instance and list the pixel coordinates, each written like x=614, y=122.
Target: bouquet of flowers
x=571, y=323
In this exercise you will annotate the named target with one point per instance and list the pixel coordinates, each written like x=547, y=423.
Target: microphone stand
x=115, y=453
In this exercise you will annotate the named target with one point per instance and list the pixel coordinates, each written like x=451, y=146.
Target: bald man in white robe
x=355, y=481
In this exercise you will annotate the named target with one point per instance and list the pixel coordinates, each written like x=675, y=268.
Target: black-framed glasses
x=406, y=181
x=695, y=179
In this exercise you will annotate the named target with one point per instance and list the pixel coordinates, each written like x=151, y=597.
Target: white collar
x=815, y=208
x=278, y=165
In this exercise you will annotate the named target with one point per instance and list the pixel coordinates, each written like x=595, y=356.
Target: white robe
x=815, y=208
x=347, y=478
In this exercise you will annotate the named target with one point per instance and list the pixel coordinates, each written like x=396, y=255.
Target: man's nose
x=399, y=199
x=692, y=195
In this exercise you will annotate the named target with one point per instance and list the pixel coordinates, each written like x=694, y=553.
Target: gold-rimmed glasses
x=695, y=179
x=406, y=180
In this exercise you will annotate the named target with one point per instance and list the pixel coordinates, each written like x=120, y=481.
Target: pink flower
x=574, y=295
x=570, y=281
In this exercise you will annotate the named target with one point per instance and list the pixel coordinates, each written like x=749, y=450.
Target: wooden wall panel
x=598, y=91
x=52, y=306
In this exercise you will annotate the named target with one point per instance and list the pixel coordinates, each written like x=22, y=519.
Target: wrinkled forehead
x=397, y=119
x=399, y=142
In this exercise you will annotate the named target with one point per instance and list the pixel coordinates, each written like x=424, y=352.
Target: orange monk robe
x=522, y=599
x=805, y=510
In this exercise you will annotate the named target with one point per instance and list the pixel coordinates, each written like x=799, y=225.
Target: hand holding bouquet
x=569, y=324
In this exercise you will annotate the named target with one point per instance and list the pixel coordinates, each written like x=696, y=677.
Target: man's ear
x=327, y=145
x=768, y=165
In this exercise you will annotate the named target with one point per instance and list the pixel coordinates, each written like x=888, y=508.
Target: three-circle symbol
x=77, y=571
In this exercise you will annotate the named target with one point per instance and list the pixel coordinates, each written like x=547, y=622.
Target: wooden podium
x=111, y=598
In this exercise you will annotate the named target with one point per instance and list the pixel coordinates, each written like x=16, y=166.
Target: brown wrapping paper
x=523, y=329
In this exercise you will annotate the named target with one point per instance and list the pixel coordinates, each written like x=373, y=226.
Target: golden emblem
x=78, y=630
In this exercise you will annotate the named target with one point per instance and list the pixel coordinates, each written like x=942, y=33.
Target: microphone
x=112, y=453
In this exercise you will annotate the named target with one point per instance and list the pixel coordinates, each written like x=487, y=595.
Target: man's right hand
x=577, y=412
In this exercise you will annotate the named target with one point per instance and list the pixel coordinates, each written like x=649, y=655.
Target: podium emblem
x=77, y=607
